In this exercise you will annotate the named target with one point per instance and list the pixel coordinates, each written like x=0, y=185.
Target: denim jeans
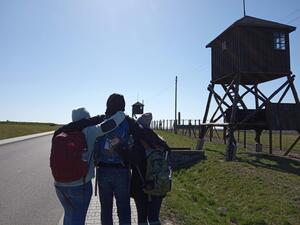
x=114, y=182
x=147, y=209
x=75, y=201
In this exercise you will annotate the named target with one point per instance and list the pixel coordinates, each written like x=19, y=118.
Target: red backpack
x=66, y=156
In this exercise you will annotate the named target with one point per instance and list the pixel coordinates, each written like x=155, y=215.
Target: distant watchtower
x=137, y=109
x=249, y=52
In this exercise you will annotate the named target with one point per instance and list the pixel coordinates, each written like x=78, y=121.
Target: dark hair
x=115, y=103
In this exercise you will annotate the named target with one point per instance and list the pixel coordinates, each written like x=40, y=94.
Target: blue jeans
x=147, y=209
x=114, y=182
x=75, y=201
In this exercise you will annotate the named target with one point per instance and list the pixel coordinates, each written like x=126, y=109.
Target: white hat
x=145, y=120
x=80, y=113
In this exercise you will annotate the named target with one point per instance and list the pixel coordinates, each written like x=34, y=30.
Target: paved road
x=27, y=196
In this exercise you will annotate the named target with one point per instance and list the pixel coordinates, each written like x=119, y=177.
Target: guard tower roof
x=138, y=104
x=249, y=21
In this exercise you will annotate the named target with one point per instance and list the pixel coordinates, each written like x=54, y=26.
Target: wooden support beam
x=247, y=91
x=219, y=107
x=256, y=98
x=291, y=81
x=292, y=146
x=253, y=92
x=208, y=102
x=215, y=120
x=221, y=99
x=284, y=94
x=231, y=145
x=265, y=101
x=262, y=94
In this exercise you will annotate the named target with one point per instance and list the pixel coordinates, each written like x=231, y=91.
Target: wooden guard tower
x=137, y=109
x=249, y=52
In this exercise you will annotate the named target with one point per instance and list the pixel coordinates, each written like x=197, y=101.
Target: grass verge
x=254, y=190
x=16, y=129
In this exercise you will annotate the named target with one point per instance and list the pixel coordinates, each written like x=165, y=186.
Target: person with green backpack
x=151, y=174
x=149, y=159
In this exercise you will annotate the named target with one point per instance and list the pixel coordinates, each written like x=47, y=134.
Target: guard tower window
x=279, y=41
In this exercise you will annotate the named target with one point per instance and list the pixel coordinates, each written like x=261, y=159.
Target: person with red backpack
x=72, y=163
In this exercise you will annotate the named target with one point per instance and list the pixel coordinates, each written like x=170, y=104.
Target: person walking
x=75, y=196
x=113, y=153
x=113, y=173
x=148, y=206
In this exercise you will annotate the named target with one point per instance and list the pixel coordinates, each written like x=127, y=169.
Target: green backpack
x=157, y=180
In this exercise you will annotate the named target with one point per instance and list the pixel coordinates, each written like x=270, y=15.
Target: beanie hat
x=145, y=120
x=80, y=113
x=115, y=103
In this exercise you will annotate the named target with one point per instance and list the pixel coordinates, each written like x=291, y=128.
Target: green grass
x=256, y=189
x=16, y=129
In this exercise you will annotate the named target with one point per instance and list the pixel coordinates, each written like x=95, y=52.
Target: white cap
x=80, y=113
x=145, y=120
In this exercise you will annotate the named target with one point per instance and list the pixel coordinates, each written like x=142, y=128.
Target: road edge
x=24, y=138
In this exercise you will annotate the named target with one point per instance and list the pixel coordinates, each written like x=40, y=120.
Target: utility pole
x=244, y=5
x=175, y=122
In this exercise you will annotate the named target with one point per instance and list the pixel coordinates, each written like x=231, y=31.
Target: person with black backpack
x=113, y=156
x=72, y=163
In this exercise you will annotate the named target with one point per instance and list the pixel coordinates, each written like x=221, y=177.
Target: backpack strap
x=143, y=181
x=140, y=174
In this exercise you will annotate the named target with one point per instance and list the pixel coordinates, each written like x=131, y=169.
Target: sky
x=58, y=55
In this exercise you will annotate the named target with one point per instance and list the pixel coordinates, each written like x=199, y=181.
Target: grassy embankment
x=16, y=129
x=253, y=190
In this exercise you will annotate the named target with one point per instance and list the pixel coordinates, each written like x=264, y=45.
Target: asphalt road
x=27, y=195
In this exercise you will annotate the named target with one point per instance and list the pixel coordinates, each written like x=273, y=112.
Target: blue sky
x=57, y=55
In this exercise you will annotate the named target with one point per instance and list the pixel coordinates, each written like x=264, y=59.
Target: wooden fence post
x=190, y=127
x=245, y=138
x=199, y=128
x=270, y=142
x=280, y=139
x=224, y=134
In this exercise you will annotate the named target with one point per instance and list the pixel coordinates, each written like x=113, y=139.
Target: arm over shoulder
x=110, y=123
x=141, y=133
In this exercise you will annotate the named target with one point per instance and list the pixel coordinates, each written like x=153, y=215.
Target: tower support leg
x=231, y=144
x=203, y=128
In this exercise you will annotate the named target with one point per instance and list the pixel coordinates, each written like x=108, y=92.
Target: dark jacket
x=138, y=132
x=136, y=156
